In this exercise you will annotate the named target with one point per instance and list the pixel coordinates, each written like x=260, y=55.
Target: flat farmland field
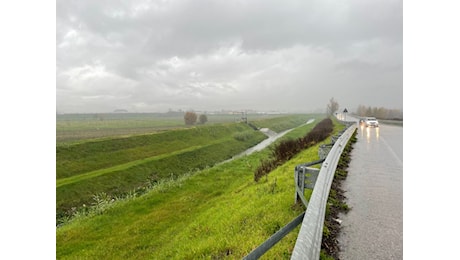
x=71, y=128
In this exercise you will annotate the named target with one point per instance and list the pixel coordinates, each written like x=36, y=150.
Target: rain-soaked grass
x=219, y=212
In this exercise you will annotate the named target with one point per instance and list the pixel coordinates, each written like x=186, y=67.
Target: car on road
x=370, y=122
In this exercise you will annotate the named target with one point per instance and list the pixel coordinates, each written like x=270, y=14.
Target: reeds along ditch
x=287, y=149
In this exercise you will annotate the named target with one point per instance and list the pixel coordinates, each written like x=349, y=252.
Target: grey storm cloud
x=147, y=56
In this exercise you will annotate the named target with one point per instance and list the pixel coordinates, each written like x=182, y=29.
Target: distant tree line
x=380, y=112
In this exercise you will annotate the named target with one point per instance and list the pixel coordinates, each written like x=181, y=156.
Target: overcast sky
x=292, y=56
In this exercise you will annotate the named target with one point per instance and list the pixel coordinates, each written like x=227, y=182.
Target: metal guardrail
x=308, y=244
x=300, y=172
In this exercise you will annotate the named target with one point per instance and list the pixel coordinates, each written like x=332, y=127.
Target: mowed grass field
x=211, y=213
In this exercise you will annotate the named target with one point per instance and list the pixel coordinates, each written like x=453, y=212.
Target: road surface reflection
x=373, y=228
x=370, y=132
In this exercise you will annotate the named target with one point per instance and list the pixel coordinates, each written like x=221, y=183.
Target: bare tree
x=190, y=118
x=332, y=106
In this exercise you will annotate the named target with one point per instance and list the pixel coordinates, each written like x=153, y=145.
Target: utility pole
x=244, y=117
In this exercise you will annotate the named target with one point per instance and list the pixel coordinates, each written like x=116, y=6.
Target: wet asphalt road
x=373, y=228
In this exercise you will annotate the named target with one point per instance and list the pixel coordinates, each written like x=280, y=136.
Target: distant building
x=120, y=111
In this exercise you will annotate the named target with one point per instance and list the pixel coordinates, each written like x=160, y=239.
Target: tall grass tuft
x=244, y=136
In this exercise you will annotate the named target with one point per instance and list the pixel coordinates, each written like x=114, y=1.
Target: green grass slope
x=124, y=177
x=93, y=155
x=219, y=212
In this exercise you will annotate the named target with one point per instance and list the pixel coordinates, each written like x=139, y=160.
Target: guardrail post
x=334, y=139
x=323, y=150
x=299, y=173
x=311, y=178
x=302, y=181
x=296, y=183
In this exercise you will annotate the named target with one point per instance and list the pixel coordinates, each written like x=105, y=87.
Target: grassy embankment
x=215, y=213
x=118, y=166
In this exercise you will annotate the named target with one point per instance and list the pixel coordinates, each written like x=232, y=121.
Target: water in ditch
x=272, y=136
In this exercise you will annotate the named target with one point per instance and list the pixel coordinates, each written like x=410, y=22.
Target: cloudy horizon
x=152, y=56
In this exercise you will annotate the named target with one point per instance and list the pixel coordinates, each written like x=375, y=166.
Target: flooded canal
x=373, y=228
x=272, y=136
